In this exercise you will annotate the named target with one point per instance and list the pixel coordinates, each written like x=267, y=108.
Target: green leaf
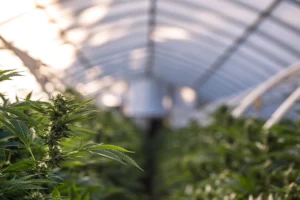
x=106, y=154
x=8, y=126
x=20, y=114
x=86, y=102
x=72, y=164
x=6, y=70
x=28, y=187
x=55, y=194
x=39, y=106
x=31, y=181
x=87, y=197
x=8, y=74
x=82, y=130
x=127, y=159
x=10, y=144
x=23, y=165
x=28, y=96
x=21, y=131
x=107, y=147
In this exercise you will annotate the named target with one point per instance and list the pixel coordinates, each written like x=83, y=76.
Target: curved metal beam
x=291, y=71
x=283, y=109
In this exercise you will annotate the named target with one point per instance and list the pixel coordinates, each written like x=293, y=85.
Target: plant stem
x=31, y=153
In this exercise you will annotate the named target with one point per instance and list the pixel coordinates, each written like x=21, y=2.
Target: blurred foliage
x=231, y=159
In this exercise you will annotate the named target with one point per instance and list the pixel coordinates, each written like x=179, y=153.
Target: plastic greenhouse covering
x=220, y=50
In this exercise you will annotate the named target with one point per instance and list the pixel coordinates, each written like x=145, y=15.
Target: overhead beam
x=285, y=107
x=291, y=71
x=218, y=63
x=275, y=19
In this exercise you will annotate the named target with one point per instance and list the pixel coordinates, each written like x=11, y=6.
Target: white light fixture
x=145, y=99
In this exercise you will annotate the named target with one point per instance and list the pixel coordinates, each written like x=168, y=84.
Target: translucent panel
x=191, y=49
x=208, y=17
x=125, y=24
x=194, y=28
x=289, y=13
x=65, y=12
x=273, y=48
x=113, y=36
x=266, y=54
x=179, y=71
x=9, y=10
x=176, y=70
x=252, y=60
x=281, y=33
x=241, y=73
x=164, y=74
x=115, y=45
x=110, y=56
x=192, y=64
x=139, y=8
x=256, y=71
x=193, y=60
x=92, y=13
x=257, y=4
x=239, y=78
x=79, y=4
x=224, y=78
x=261, y=58
x=230, y=9
x=185, y=67
x=134, y=59
x=215, y=90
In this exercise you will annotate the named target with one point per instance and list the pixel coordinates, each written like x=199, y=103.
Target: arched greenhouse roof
x=221, y=49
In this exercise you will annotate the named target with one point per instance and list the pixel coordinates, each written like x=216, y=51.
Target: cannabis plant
x=102, y=178
x=34, y=137
x=231, y=159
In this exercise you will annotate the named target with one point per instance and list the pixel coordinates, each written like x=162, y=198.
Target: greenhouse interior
x=149, y=99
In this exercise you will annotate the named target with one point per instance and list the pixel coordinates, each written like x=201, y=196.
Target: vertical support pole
x=150, y=146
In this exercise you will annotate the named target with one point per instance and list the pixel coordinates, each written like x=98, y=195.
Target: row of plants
x=231, y=159
x=228, y=159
